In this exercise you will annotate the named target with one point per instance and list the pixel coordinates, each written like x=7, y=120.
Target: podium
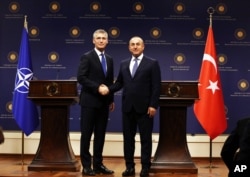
x=172, y=154
x=54, y=152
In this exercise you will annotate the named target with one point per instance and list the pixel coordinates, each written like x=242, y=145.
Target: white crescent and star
x=210, y=59
x=213, y=86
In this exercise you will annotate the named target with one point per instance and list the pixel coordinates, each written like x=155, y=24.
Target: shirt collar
x=98, y=52
x=139, y=58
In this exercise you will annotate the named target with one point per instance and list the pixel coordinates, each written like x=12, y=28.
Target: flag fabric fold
x=24, y=110
x=209, y=109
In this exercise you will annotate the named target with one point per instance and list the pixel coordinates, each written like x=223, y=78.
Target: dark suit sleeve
x=90, y=75
x=83, y=75
x=230, y=147
x=244, y=153
x=118, y=83
x=243, y=156
x=110, y=77
x=232, y=143
x=156, y=85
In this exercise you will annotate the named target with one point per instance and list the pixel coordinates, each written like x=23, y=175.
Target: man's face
x=100, y=41
x=136, y=46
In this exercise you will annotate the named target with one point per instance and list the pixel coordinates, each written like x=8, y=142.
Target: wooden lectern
x=172, y=154
x=54, y=152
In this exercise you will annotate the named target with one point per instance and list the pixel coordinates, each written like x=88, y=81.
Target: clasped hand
x=103, y=89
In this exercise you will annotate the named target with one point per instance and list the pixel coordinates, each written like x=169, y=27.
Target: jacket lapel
x=141, y=65
x=98, y=63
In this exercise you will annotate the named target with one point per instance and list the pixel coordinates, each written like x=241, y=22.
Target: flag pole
x=211, y=154
x=26, y=27
x=210, y=11
x=25, y=22
x=210, y=91
x=22, y=148
x=22, y=153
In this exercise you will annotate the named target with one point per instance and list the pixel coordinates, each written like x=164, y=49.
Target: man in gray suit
x=96, y=67
x=140, y=78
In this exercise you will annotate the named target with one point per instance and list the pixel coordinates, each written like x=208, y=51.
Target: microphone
x=172, y=72
x=57, y=74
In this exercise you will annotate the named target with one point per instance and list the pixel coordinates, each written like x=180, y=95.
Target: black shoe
x=88, y=172
x=144, y=172
x=102, y=169
x=129, y=172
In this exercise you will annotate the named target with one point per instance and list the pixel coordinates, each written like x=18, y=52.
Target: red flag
x=209, y=109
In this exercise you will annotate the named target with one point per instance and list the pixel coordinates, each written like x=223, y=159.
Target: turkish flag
x=209, y=109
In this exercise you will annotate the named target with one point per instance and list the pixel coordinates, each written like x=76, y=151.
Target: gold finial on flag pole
x=211, y=11
x=25, y=22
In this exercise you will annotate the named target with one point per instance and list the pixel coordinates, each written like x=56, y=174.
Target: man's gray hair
x=100, y=31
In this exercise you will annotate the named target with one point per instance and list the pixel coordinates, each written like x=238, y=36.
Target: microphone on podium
x=57, y=74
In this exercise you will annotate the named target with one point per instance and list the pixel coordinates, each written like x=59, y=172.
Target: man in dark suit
x=96, y=67
x=1, y=136
x=141, y=91
x=236, y=148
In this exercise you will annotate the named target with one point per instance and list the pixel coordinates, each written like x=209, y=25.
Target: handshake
x=103, y=89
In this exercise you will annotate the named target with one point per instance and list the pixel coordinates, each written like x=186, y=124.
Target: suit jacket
x=90, y=75
x=141, y=91
x=244, y=152
x=232, y=143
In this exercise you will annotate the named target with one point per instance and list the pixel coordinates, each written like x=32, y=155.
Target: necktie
x=135, y=66
x=103, y=61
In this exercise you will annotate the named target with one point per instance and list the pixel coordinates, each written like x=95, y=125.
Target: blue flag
x=24, y=110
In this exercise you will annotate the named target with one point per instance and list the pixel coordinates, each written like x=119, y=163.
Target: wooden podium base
x=172, y=154
x=173, y=168
x=38, y=166
x=54, y=152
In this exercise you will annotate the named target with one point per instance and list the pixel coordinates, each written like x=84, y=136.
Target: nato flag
x=24, y=110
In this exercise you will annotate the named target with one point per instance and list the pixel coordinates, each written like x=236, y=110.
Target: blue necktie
x=135, y=66
x=103, y=61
